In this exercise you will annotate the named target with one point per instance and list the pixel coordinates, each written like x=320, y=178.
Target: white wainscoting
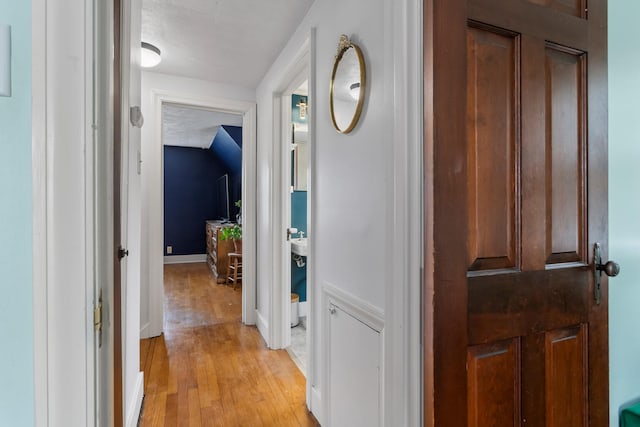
x=354, y=359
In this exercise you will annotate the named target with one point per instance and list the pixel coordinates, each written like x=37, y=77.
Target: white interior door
x=132, y=122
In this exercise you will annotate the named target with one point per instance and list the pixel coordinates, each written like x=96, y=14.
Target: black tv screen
x=222, y=197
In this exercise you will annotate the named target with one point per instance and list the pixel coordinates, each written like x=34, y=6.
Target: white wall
x=624, y=204
x=353, y=178
x=353, y=186
x=151, y=185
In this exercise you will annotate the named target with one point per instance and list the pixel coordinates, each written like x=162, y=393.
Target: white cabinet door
x=354, y=372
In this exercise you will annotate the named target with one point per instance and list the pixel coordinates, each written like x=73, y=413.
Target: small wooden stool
x=234, y=271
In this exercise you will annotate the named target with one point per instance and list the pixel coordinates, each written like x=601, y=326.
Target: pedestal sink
x=299, y=246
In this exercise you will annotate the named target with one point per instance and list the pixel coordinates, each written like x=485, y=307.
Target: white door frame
x=301, y=68
x=249, y=221
x=63, y=171
x=280, y=292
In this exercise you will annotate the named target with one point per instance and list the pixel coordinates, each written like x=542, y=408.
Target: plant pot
x=237, y=244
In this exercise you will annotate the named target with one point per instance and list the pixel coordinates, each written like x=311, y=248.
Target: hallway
x=209, y=369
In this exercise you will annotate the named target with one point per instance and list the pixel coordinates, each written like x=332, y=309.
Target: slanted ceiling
x=227, y=145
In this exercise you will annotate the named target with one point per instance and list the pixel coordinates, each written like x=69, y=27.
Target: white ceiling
x=193, y=127
x=225, y=41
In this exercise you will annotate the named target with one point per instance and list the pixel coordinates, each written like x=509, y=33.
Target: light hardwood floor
x=208, y=369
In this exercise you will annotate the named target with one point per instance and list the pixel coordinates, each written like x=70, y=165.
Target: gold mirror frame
x=343, y=46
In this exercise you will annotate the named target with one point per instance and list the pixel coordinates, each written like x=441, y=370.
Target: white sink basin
x=299, y=246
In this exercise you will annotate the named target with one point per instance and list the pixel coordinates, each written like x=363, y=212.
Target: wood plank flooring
x=209, y=369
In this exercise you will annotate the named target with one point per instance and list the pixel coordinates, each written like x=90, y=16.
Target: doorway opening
x=293, y=156
x=202, y=189
x=154, y=205
x=298, y=141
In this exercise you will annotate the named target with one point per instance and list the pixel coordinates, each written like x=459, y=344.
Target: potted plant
x=234, y=232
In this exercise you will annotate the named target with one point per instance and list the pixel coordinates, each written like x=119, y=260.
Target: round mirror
x=348, y=86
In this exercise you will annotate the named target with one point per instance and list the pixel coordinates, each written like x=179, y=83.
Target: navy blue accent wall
x=227, y=144
x=228, y=150
x=299, y=221
x=235, y=132
x=190, y=175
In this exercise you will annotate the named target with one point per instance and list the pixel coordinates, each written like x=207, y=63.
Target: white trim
x=261, y=323
x=402, y=362
x=144, y=331
x=39, y=189
x=249, y=225
x=362, y=310
x=293, y=76
x=136, y=402
x=249, y=214
x=91, y=234
x=185, y=259
x=316, y=402
x=63, y=351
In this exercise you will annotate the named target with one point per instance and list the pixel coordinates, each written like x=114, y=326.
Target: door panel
x=565, y=375
x=534, y=204
x=573, y=7
x=494, y=384
x=565, y=125
x=493, y=146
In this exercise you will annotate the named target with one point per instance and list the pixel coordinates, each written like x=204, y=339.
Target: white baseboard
x=133, y=412
x=303, y=309
x=185, y=259
x=263, y=327
x=144, y=330
x=316, y=404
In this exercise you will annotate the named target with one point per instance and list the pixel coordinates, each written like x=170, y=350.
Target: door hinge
x=97, y=316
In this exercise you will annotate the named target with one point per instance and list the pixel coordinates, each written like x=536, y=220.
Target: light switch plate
x=5, y=60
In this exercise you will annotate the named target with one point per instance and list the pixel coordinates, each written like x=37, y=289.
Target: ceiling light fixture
x=354, y=90
x=303, y=107
x=150, y=55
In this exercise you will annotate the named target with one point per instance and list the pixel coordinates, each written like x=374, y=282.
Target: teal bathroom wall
x=624, y=204
x=299, y=221
x=16, y=312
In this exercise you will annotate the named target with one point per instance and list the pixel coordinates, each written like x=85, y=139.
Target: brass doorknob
x=610, y=268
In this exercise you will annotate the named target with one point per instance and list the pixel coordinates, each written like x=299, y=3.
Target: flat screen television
x=222, y=197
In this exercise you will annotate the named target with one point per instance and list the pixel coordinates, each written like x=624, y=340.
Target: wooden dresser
x=217, y=250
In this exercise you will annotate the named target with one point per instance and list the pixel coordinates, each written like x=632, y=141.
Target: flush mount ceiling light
x=303, y=107
x=150, y=55
x=354, y=90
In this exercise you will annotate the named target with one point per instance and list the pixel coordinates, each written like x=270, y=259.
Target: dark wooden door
x=519, y=200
